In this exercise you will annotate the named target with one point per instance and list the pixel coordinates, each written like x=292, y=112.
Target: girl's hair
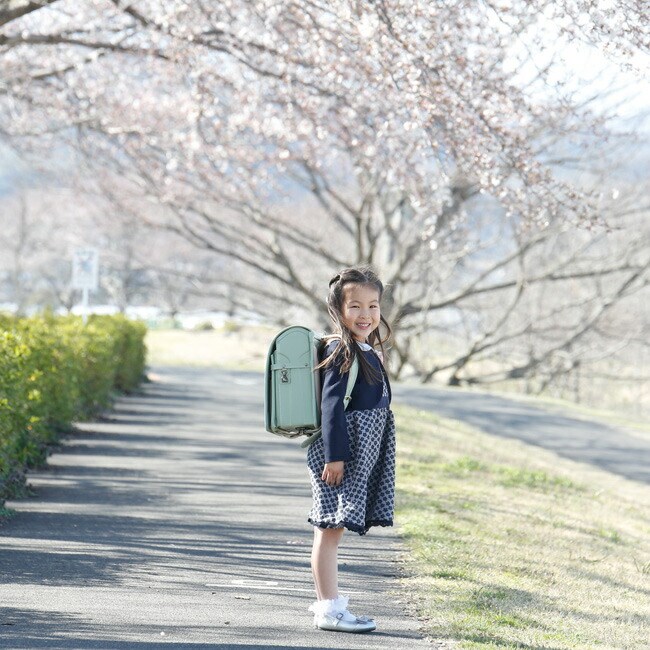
x=347, y=347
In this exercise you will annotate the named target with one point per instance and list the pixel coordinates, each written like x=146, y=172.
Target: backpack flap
x=293, y=385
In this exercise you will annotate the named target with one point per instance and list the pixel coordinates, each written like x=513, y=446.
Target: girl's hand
x=333, y=473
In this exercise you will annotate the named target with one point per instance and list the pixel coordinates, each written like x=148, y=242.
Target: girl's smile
x=361, y=311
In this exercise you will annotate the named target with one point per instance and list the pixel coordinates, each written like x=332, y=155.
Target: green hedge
x=54, y=370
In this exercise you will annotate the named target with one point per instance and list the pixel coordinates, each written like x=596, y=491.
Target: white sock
x=332, y=607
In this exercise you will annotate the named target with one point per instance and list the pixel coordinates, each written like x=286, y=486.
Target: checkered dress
x=367, y=495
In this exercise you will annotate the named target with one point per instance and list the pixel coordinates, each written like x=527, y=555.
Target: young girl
x=352, y=466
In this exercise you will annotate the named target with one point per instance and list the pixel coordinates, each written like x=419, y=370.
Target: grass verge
x=238, y=348
x=6, y=513
x=513, y=547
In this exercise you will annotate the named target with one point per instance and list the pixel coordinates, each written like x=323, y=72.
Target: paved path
x=585, y=441
x=177, y=522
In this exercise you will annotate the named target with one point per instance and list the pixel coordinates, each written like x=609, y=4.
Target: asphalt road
x=582, y=440
x=176, y=521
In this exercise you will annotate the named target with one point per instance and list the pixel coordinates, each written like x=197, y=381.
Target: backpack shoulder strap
x=352, y=380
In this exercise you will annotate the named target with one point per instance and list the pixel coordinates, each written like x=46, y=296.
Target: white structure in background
x=85, y=274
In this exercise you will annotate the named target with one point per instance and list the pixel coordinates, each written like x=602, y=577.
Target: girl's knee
x=328, y=535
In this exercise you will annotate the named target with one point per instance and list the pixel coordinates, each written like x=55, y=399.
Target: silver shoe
x=337, y=623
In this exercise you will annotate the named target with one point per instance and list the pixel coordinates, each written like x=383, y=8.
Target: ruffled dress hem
x=355, y=528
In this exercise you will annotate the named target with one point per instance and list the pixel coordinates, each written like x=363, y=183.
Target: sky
x=586, y=69
x=11, y=169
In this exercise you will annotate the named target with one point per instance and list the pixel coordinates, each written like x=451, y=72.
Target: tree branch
x=12, y=9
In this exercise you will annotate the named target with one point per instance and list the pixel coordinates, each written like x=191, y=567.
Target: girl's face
x=360, y=310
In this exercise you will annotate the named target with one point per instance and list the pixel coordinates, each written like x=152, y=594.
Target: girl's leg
x=324, y=562
x=331, y=610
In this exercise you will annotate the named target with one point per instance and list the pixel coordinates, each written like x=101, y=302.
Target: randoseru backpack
x=292, y=388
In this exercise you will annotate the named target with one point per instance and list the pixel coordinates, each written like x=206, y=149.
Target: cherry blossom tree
x=414, y=91
x=295, y=137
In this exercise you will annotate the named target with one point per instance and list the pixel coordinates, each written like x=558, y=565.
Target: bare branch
x=12, y=9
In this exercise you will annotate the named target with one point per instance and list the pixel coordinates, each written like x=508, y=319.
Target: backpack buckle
x=284, y=376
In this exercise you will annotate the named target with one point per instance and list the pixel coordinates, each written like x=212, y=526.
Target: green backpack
x=292, y=388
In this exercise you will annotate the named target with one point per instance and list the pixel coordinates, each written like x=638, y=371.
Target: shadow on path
x=174, y=520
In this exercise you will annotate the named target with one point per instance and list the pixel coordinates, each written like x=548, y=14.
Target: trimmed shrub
x=54, y=370
x=18, y=437
x=130, y=349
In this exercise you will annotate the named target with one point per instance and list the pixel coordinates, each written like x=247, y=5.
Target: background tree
x=292, y=138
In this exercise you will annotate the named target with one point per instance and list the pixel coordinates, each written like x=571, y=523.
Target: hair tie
x=336, y=278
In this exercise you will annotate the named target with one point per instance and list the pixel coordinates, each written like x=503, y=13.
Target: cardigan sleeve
x=336, y=442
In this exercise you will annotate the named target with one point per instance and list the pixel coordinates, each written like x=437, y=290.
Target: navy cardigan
x=364, y=396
